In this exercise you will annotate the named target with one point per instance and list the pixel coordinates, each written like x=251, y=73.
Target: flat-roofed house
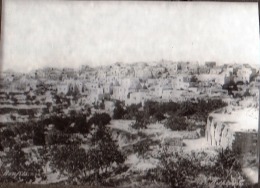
x=63, y=88
x=184, y=82
x=137, y=98
x=245, y=74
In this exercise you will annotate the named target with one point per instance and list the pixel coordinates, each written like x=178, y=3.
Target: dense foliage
x=201, y=170
x=176, y=123
x=19, y=166
x=119, y=111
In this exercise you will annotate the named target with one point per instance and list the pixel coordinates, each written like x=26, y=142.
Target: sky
x=60, y=33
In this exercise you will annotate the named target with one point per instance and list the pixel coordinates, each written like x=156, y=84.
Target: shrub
x=104, y=151
x=132, y=111
x=199, y=170
x=119, y=111
x=39, y=136
x=15, y=161
x=176, y=123
x=143, y=147
x=100, y=119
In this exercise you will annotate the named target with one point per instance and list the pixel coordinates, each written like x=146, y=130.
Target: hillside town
x=131, y=83
x=147, y=108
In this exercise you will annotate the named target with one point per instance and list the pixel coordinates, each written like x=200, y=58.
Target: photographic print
x=129, y=94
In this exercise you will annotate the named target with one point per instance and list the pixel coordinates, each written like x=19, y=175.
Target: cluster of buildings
x=130, y=83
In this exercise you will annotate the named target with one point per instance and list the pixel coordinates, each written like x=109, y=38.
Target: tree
x=142, y=147
x=57, y=138
x=100, y=119
x=15, y=100
x=102, y=105
x=141, y=121
x=7, y=133
x=20, y=167
x=151, y=107
x=132, y=111
x=38, y=136
x=175, y=168
x=70, y=160
x=159, y=116
x=194, y=79
x=58, y=99
x=61, y=123
x=105, y=150
x=119, y=111
x=187, y=108
x=227, y=164
x=81, y=125
x=176, y=123
x=198, y=169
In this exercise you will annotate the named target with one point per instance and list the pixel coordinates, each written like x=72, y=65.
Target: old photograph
x=129, y=94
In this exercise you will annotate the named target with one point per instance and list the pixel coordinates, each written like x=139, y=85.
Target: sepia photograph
x=129, y=94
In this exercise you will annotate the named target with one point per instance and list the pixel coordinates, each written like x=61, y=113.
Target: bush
x=199, y=170
x=70, y=160
x=39, y=136
x=119, y=111
x=15, y=161
x=7, y=133
x=176, y=123
x=99, y=119
x=159, y=116
x=143, y=147
x=141, y=122
x=132, y=111
x=104, y=151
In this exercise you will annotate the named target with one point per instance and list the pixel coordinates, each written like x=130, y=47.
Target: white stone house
x=210, y=64
x=245, y=73
x=143, y=73
x=21, y=98
x=193, y=67
x=39, y=74
x=109, y=106
x=79, y=85
x=230, y=70
x=167, y=94
x=63, y=88
x=111, y=79
x=127, y=86
x=124, y=72
x=158, y=70
x=102, y=74
x=151, y=82
x=204, y=70
x=224, y=78
x=49, y=98
x=95, y=95
x=91, y=86
x=183, y=82
x=137, y=98
x=216, y=70
x=8, y=78
x=108, y=88
x=120, y=93
x=115, y=70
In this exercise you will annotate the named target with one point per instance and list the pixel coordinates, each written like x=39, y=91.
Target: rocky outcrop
x=235, y=129
x=218, y=133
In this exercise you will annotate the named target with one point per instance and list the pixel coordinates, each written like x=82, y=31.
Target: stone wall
x=246, y=142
